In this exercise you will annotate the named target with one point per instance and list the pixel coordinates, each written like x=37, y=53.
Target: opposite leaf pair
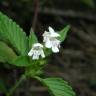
x=50, y=41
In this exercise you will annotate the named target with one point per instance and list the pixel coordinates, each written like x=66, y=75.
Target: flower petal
x=51, y=30
x=30, y=52
x=53, y=33
x=55, y=49
x=35, y=57
x=42, y=54
x=37, y=45
x=48, y=44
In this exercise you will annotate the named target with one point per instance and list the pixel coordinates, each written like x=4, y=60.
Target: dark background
x=76, y=61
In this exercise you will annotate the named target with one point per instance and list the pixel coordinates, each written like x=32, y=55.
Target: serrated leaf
x=11, y=33
x=63, y=33
x=6, y=53
x=57, y=86
x=22, y=61
x=25, y=61
x=32, y=38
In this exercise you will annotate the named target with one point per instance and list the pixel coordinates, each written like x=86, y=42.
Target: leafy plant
x=14, y=50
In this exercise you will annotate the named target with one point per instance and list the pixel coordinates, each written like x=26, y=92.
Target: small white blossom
x=36, y=51
x=51, y=41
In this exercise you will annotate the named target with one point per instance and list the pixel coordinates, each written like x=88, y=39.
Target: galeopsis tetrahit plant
x=25, y=51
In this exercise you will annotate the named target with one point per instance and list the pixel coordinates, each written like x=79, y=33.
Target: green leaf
x=22, y=61
x=11, y=33
x=63, y=33
x=25, y=61
x=6, y=53
x=32, y=38
x=57, y=86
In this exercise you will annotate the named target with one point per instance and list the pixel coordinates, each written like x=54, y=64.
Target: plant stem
x=11, y=91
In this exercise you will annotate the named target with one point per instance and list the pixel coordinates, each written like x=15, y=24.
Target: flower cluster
x=50, y=40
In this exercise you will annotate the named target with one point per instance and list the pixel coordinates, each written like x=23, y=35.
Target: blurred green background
x=76, y=61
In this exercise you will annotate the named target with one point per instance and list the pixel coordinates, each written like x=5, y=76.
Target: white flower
x=36, y=51
x=51, y=41
x=52, y=32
